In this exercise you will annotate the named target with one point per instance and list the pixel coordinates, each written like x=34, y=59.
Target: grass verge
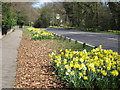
x=62, y=43
x=116, y=32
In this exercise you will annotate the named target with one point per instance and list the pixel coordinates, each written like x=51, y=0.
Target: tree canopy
x=81, y=14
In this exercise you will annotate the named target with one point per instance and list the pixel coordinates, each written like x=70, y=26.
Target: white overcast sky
x=41, y=2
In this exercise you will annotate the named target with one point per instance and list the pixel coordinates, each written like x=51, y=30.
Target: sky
x=42, y=2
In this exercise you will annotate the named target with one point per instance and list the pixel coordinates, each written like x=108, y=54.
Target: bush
x=9, y=17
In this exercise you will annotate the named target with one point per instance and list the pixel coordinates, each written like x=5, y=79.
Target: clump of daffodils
x=98, y=68
x=38, y=34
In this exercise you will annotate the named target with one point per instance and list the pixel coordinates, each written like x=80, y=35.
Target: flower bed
x=81, y=69
x=38, y=34
x=114, y=31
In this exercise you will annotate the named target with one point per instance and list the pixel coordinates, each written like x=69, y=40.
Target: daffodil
x=80, y=74
x=67, y=67
x=118, y=68
x=55, y=61
x=65, y=61
x=104, y=72
x=115, y=73
x=100, y=46
x=53, y=72
x=98, y=63
x=85, y=78
x=81, y=60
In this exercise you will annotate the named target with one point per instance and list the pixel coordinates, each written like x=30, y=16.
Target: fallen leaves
x=33, y=66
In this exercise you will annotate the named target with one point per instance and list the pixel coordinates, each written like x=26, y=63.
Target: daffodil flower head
x=115, y=73
x=53, y=72
x=85, y=78
x=100, y=46
x=80, y=74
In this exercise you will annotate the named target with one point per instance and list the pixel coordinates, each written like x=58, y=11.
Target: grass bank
x=62, y=43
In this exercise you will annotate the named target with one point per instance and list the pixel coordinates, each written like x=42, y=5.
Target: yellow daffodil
x=100, y=46
x=85, y=78
x=67, y=67
x=118, y=68
x=115, y=73
x=55, y=61
x=104, y=72
x=53, y=72
x=65, y=61
x=81, y=60
x=99, y=63
x=80, y=74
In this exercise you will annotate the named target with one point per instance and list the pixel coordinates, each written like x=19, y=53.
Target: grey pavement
x=109, y=41
x=0, y=64
x=10, y=44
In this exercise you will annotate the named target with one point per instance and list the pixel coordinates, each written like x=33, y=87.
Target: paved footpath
x=8, y=56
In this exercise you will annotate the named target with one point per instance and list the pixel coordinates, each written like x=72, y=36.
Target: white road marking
x=77, y=32
x=89, y=33
x=112, y=38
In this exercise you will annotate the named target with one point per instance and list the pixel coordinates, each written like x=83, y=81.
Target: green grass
x=117, y=33
x=26, y=32
x=66, y=44
x=95, y=30
x=87, y=29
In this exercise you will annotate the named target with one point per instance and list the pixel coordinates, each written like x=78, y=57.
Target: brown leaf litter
x=33, y=66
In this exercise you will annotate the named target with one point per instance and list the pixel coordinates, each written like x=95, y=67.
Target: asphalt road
x=109, y=41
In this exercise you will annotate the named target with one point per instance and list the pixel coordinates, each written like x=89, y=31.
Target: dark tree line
x=93, y=15
x=17, y=13
x=115, y=10
x=81, y=14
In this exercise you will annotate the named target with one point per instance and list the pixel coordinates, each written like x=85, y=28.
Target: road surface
x=109, y=41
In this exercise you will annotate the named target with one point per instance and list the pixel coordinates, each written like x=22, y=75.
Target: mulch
x=33, y=66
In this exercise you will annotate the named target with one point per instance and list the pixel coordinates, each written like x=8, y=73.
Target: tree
x=115, y=11
x=8, y=16
x=44, y=17
x=88, y=14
